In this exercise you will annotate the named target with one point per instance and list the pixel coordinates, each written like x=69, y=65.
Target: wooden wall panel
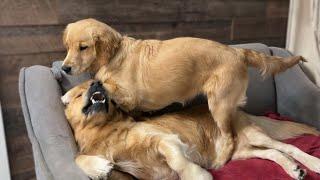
x=277, y=8
x=31, y=12
x=41, y=39
x=9, y=71
x=46, y=12
x=31, y=32
x=30, y=39
x=255, y=28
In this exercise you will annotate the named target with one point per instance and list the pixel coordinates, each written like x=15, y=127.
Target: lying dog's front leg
x=95, y=167
x=174, y=150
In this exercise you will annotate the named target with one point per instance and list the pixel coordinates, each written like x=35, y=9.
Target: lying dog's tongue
x=97, y=97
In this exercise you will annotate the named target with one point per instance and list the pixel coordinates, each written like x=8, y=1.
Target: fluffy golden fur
x=178, y=145
x=147, y=75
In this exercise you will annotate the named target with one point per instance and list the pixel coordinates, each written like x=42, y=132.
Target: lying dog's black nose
x=66, y=69
x=96, y=84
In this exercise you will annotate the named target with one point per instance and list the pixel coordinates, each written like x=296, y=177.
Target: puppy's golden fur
x=177, y=145
x=151, y=74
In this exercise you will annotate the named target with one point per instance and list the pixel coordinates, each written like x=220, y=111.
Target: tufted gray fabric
x=53, y=144
x=54, y=148
x=297, y=96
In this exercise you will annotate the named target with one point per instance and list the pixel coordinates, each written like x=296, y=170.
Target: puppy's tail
x=269, y=65
x=281, y=130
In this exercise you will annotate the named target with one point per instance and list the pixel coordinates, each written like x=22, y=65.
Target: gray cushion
x=50, y=134
x=297, y=96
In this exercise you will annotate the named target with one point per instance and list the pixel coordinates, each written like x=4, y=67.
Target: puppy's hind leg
x=271, y=154
x=174, y=151
x=94, y=166
x=224, y=95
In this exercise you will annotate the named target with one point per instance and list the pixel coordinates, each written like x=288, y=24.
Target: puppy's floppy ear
x=107, y=38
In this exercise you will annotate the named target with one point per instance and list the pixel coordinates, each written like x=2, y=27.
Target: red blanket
x=258, y=169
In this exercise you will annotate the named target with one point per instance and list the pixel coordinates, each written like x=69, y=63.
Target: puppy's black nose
x=66, y=69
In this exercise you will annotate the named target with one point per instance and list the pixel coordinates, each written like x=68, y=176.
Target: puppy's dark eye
x=83, y=48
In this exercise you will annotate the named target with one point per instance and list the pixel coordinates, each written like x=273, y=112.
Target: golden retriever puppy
x=178, y=145
x=147, y=75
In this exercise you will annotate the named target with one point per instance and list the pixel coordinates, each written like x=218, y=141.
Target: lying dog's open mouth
x=96, y=99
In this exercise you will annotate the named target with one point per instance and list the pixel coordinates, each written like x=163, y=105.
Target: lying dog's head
x=90, y=45
x=90, y=105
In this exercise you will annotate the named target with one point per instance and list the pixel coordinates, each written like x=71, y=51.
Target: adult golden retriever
x=178, y=145
x=151, y=74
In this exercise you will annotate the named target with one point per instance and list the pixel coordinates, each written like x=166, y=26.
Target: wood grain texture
x=9, y=73
x=46, y=12
x=41, y=39
x=30, y=34
x=30, y=39
x=277, y=8
x=31, y=12
x=253, y=28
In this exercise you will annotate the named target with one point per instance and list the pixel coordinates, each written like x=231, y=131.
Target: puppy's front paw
x=94, y=166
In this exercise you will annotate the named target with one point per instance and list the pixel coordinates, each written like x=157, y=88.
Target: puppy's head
x=90, y=45
x=90, y=105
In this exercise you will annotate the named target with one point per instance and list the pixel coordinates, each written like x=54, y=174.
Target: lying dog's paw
x=94, y=166
x=298, y=173
x=193, y=171
x=65, y=99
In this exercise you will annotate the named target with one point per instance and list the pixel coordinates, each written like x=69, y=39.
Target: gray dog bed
x=290, y=94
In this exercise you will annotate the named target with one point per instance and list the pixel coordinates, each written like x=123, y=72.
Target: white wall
x=4, y=164
x=304, y=34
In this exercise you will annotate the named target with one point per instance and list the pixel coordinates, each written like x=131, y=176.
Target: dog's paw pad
x=301, y=173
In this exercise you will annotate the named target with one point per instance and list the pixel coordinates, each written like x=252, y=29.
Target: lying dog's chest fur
x=133, y=146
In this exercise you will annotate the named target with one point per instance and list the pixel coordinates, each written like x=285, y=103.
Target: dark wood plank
x=21, y=165
x=208, y=10
x=28, y=175
x=277, y=8
x=30, y=39
x=9, y=73
x=213, y=30
x=120, y=11
x=125, y=11
x=40, y=39
x=18, y=144
x=13, y=118
x=255, y=28
x=31, y=12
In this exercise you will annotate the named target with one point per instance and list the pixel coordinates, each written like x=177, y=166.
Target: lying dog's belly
x=141, y=156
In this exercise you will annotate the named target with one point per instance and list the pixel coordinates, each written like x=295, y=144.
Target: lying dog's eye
x=83, y=48
x=79, y=95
